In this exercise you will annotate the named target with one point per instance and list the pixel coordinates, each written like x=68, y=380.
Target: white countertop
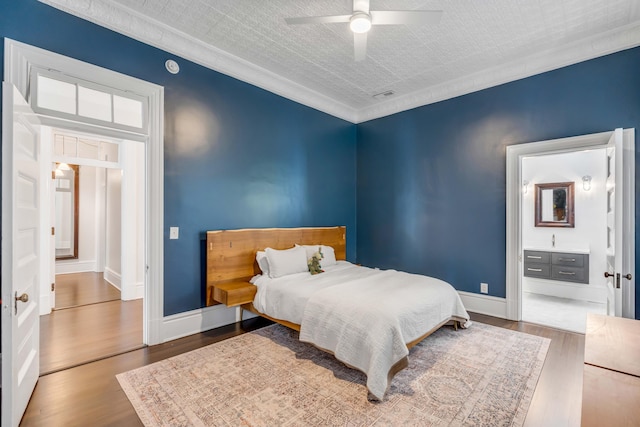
x=563, y=250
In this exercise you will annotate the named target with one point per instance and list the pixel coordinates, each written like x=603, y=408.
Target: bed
x=367, y=318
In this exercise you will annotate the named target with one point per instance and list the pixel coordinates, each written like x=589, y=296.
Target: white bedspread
x=365, y=317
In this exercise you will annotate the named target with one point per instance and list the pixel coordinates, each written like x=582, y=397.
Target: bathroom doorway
x=560, y=291
x=548, y=249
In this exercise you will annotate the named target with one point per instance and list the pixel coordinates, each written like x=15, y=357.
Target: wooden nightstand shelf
x=233, y=294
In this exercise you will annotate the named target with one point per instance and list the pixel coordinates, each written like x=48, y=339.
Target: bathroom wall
x=590, y=220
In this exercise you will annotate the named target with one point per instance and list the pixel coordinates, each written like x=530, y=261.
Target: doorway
x=573, y=232
x=96, y=310
x=620, y=300
x=22, y=120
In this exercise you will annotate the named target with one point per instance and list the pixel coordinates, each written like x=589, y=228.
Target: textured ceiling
x=477, y=44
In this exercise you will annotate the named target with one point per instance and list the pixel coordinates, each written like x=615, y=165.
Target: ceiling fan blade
x=360, y=46
x=361, y=6
x=408, y=17
x=318, y=19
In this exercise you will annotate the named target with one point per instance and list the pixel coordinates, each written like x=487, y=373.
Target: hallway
x=89, y=323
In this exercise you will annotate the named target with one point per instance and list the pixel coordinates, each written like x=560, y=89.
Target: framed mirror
x=554, y=205
x=66, y=210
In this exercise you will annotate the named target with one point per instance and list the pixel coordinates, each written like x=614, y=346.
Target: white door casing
x=21, y=206
x=18, y=58
x=614, y=218
x=620, y=225
x=515, y=153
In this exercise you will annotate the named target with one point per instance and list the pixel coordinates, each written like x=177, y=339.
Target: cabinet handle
x=534, y=257
x=534, y=269
x=567, y=259
x=568, y=273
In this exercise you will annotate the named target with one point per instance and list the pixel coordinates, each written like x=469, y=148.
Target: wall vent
x=384, y=95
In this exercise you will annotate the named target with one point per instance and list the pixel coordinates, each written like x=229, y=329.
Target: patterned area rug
x=481, y=376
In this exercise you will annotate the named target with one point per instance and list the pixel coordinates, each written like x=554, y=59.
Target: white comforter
x=363, y=316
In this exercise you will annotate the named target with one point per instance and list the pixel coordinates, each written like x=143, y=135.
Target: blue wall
x=236, y=156
x=431, y=181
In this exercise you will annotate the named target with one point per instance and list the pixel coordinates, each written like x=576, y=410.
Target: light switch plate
x=174, y=232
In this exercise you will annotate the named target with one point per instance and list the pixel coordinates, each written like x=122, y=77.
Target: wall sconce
x=586, y=182
x=525, y=186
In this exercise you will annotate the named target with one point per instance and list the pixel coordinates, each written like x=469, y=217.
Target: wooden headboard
x=231, y=254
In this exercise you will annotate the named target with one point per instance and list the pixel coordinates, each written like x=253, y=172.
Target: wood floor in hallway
x=76, y=289
x=94, y=327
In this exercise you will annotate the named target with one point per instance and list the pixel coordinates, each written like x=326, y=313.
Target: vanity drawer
x=569, y=274
x=542, y=271
x=537, y=257
x=572, y=260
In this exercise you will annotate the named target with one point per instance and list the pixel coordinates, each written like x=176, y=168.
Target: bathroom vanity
x=567, y=266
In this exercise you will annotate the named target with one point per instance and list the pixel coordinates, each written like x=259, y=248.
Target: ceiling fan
x=361, y=20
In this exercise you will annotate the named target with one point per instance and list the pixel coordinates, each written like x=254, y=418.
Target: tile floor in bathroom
x=561, y=313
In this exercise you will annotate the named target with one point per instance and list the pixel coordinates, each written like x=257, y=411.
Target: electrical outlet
x=174, y=232
x=484, y=288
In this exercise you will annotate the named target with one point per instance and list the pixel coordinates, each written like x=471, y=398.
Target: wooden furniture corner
x=233, y=294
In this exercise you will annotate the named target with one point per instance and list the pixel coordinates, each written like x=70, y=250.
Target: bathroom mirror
x=66, y=211
x=554, y=205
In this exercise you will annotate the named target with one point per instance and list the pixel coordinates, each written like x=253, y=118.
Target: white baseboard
x=69, y=267
x=112, y=277
x=45, y=304
x=200, y=320
x=138, y=291
x=196, y=321
x=484, y=304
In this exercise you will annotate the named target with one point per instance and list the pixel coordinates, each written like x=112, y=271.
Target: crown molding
x=142, y=28
x=592, y=47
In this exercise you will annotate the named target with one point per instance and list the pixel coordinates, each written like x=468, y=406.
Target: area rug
x=481, y=376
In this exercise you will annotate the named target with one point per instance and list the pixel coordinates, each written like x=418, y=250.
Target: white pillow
x=328, y=252
x=285, y=262
x=263, y=262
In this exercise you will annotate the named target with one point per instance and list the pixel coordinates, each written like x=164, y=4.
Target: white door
x=20, y=254
x=620, y=235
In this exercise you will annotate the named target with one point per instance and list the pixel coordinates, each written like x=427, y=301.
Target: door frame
x=18, y=59
x=515, y=153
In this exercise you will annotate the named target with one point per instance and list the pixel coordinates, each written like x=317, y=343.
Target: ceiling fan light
x=360, y=23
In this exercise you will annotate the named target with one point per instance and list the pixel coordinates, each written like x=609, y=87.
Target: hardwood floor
x=78, y=335
x=79, y=289
x=91, y=395
x=90, y=322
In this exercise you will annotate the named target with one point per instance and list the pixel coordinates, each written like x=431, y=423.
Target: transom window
x=58, y=95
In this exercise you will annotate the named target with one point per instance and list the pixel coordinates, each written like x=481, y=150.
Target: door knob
x=23, y=298
x=628, y=276
x=607, y=274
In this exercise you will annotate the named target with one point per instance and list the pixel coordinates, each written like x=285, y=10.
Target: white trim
x=147, y=30
x=113, y=278
x=138, y=290
x=196, y=321
x=515, y=153
x=629, y=226
x=484, y=304
x=18, y=58
x=129, y=22
x=69, y=267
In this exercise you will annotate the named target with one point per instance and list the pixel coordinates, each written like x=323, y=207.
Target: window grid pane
x=94, y=104
x=56, y=95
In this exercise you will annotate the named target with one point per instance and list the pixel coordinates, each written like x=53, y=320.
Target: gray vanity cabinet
x=561, y=266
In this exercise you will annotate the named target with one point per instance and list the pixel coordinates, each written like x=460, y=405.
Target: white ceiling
x=478, y=44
